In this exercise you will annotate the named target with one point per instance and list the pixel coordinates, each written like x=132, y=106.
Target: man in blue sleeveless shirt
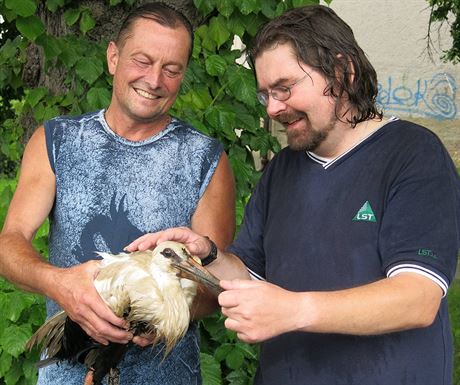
x=107, y=177
x=351, y=236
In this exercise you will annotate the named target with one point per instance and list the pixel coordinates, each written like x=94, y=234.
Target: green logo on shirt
x=365, y=213
x=427, y=253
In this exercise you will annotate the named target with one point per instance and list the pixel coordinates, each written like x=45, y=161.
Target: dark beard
x=297, y=142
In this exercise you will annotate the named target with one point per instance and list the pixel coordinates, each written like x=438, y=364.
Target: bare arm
x=215, y=217
x=72, y=288
x=215, y=213
x=259, y=310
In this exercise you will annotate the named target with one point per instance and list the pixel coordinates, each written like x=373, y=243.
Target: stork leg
x=89, y=377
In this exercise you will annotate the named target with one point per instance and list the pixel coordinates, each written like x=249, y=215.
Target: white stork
x=152, y=290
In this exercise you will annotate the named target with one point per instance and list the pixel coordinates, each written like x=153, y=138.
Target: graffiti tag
x=433, y=98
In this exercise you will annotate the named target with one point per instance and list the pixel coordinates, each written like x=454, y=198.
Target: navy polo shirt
x=388, y=205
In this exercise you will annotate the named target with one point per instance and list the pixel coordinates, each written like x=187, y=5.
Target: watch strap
x=212, y=256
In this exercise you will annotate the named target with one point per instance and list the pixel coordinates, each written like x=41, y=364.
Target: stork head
x=174, y=251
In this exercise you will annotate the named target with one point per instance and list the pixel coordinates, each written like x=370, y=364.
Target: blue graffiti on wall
x=434, y=98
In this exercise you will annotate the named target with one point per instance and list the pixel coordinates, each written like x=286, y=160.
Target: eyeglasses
x=280, y=93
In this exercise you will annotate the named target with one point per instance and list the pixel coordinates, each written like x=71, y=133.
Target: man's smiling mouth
x=145, y=94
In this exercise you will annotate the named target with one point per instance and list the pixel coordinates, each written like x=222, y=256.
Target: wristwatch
x=212, y=254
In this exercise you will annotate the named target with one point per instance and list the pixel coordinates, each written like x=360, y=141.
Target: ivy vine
x=217, y=97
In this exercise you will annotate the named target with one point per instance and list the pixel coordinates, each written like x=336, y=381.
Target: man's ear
x=345, y=72
x=112, y=57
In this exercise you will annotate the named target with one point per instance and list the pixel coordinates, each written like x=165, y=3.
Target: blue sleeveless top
x=110, y=191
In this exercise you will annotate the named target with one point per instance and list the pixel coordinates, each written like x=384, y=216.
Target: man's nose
x=154, y=77
x=274, y=107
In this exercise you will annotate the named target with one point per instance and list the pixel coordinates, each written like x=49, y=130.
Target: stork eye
x=168, y=253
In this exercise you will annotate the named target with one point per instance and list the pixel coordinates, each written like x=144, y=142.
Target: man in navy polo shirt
x=350, y=240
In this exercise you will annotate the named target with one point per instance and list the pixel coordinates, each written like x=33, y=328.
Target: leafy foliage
x=454, y=310
x=217, y=97
x=21, y=314
x=448, y=11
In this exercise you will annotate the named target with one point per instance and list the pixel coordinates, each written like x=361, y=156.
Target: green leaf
x=249, y=351
x=43, y=112
x=5, y=363
x=248, y=121
x=210, y=370
x=248, y=6
x=225, y=7
x=98, y=97
x=204, y=6
x=207, y=42
x=54, y=5
x=215, y=65
x=35, y=95
x=115, y=2
x=89, y=69
x=222, y=351
x=43, y=229
x=219, y=31
x=223, y=119
x=237, y=25
x=30, y=27
x=268, y=9
x=242, y=85
x=24, y=8
x=69, y=52
x=238, y=377
x=13, y=304
x=200, y=98
x=301, y=3
x=50, y=46
x=71, y=16
x=14, y=339
x=87, y=22
x=30, y=371
x=14, y=374
x=235, y=359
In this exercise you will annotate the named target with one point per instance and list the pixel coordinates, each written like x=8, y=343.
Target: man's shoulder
x=77, y=118
x=407, y=131
x=191, y=133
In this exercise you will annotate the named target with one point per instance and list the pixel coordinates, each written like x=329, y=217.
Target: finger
x=233, y=324
x=228, y=299
x=178, y=234
x=93, y=267
x=142, y=341
x=92, y=333
x=106, y=331
x=144, y=242
x=239, y=284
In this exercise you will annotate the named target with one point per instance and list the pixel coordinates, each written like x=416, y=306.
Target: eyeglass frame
x=263, y=96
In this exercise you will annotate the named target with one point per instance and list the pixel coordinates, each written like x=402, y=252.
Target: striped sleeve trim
x=255, y=276
x=409, y=268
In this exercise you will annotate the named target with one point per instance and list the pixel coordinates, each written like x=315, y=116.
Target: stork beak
x=191, y=269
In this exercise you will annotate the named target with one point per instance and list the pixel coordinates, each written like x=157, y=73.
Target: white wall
x=412, y=86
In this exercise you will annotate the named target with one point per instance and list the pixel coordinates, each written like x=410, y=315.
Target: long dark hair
x=162, y=13
x=323, y=41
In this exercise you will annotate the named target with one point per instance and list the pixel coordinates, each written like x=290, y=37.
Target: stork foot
x=113, y=377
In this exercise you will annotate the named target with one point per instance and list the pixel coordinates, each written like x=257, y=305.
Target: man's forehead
x=277, y=66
